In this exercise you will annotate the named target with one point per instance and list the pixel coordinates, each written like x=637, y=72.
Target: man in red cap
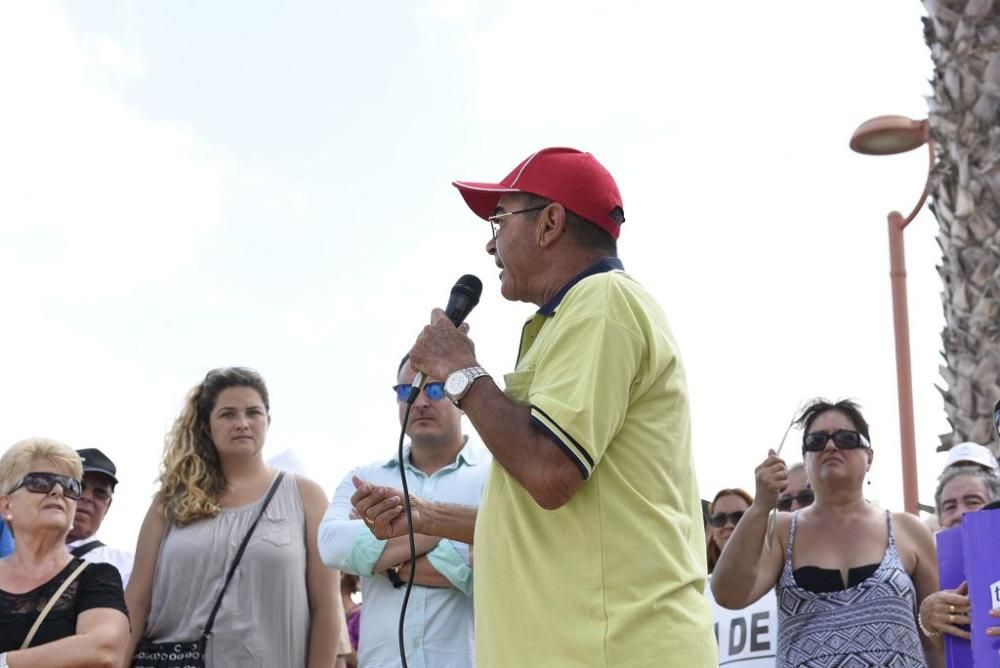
x=589, y=547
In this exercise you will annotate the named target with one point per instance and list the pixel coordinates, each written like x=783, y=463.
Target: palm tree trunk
x=964, y=39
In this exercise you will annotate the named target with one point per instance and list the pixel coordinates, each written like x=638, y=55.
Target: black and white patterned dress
x=869, y=625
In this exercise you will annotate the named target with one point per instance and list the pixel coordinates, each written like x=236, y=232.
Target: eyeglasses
x=496, y=220
x=99, y=492
x=718, y=520
x=42, y=483
x=844, y=439
x=803, y=498
x=434, y=391
x=996, y=418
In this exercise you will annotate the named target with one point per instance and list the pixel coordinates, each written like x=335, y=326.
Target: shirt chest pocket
x=274, y=529
x=518, y=386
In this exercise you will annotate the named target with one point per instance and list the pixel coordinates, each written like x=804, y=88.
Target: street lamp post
x=888, y=135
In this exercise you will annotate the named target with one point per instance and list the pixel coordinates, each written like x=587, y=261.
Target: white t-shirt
x=105, y=554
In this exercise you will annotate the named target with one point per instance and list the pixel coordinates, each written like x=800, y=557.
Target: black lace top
x=98, y=586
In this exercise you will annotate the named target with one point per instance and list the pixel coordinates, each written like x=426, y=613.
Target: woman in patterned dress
x=849, y=576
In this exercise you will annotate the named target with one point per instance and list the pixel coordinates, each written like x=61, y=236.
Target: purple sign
x=981, y=545
x=951, y=567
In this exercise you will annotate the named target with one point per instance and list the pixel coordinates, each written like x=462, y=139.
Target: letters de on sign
x=747, y=638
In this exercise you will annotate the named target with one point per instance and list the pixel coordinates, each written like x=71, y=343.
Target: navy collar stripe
x=603, y=265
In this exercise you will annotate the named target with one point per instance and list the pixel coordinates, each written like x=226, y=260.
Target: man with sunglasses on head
x=441, y=464
x=589, y=546
x=99, y=481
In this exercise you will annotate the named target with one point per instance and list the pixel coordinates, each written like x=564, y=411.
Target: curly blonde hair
x=191, y=478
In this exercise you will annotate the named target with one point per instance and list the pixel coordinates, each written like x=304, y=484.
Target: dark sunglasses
x=844, y=439
x=996, y=418
x=718, y=520
x=803, y=498
x=43, y=483
x=434, y=391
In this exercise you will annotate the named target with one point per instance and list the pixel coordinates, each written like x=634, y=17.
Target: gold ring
x=951, y=618
x=952, y=609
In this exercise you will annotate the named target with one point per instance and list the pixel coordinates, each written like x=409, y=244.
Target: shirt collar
x=81, y=541
x=603, y=265
x=469, y=455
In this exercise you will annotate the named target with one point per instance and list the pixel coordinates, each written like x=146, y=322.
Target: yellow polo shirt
x=614, y=578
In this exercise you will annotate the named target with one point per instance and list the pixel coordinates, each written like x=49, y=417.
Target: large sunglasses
x=803, y=498
x=718, y=520
x=434, y=391
x=844, y=439
x=43, y=483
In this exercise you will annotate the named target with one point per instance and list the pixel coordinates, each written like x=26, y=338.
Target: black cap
x=96, y=461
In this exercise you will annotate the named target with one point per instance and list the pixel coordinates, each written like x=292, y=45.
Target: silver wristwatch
x=457, y=384
x=3, y=660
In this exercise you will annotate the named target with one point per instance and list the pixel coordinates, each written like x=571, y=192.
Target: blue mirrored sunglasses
x=434, y=391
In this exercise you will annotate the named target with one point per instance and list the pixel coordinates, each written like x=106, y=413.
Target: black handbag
x=191, y=653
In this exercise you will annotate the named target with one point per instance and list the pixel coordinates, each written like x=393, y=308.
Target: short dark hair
x=847, y=407
x=406, y=358
x=585, y=233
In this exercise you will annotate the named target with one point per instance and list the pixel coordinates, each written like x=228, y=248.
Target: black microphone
x=464, y=297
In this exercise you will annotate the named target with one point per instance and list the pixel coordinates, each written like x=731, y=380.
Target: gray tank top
x=264, y=617
x=870, y=625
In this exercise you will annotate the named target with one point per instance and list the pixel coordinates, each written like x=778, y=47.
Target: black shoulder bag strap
x=81, y=550
x=239, y=554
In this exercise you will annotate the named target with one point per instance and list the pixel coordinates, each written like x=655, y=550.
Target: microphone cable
x=409, y=533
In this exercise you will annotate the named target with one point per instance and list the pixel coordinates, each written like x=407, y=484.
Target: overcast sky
x=190, y=185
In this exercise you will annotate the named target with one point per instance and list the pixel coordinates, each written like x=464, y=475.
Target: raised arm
x=527, y=453
x=746, y=570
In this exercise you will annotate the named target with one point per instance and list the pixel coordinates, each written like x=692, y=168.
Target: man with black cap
x=588, y=547
x=99, y=483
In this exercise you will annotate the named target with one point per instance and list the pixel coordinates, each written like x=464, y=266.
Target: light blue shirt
x=439, y=621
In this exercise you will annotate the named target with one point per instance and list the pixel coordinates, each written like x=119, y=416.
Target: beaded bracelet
x=920, y=623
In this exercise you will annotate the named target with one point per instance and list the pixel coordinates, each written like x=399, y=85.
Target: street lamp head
x=887, y=135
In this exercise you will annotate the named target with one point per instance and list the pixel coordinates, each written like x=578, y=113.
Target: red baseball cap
x=565, y=175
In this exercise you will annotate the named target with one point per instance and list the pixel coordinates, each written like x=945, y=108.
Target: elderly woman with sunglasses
x=87, y=625
x=848, y=576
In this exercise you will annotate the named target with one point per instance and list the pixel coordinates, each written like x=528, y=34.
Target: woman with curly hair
x=282, y=606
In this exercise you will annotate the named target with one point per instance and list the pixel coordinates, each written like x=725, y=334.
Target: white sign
x=747, y=638
x=995, y=595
